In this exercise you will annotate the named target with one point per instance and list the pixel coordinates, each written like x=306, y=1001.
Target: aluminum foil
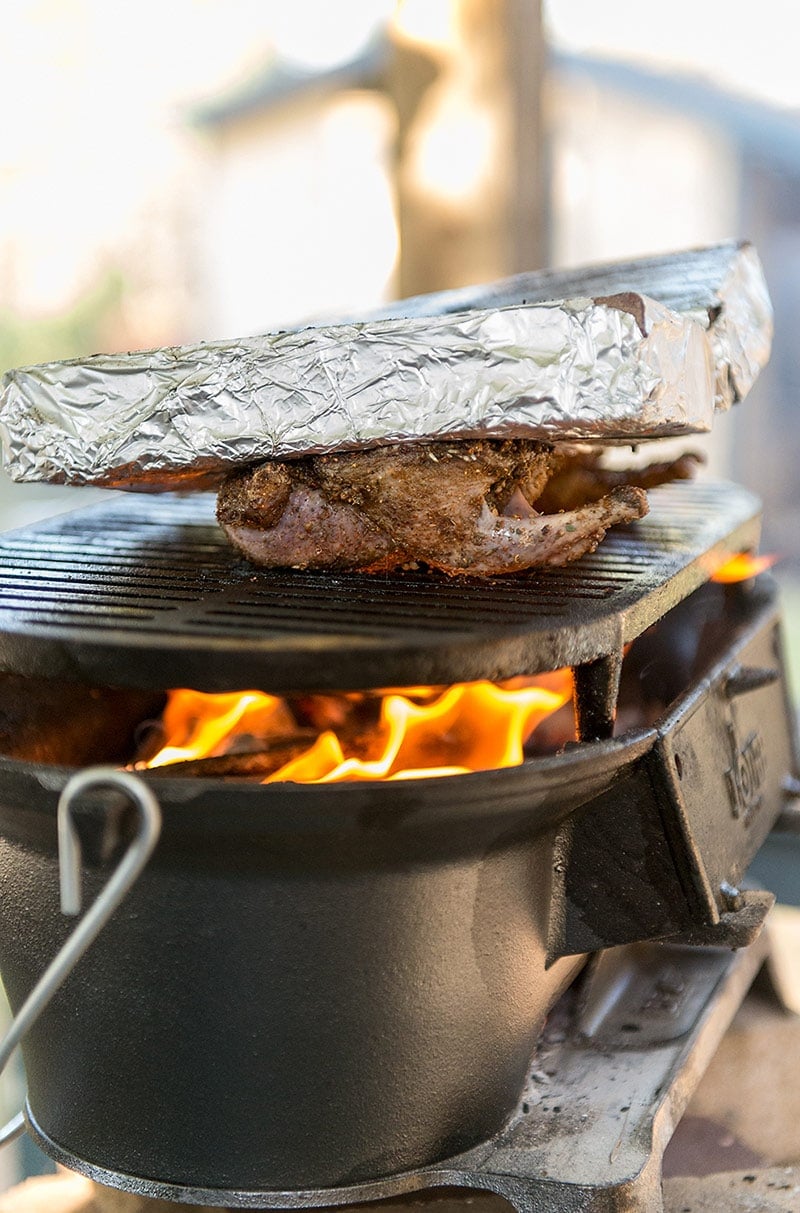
x=721, y=286
x=624, y=369
x=741, y=332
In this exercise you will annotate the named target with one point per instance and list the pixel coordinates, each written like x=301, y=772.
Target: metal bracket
x=119, y=885
x=738, y=926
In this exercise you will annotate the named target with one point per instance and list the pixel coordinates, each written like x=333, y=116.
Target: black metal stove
x=378, y=960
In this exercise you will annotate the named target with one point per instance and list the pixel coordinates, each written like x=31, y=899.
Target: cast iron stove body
x=321, y=994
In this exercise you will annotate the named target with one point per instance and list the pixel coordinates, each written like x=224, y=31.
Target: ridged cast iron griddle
x=146, y=592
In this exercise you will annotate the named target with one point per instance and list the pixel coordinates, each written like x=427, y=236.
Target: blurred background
x=171, y=172
x=212, y=168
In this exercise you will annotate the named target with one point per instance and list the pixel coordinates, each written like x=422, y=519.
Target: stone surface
x=68, y=1193
x=751, y=1089
x=771, y=1191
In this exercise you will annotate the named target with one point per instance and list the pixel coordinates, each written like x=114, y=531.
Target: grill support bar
x=596, y=690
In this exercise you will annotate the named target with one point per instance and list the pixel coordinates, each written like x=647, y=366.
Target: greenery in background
x=95, y=322
x=70, y=334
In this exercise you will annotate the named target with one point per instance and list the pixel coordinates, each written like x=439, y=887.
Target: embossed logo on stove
x=745, y=777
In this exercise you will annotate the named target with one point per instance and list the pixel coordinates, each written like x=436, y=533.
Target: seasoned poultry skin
x=462, y=507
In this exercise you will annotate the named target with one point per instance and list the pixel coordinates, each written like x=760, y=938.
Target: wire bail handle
x=109, y=899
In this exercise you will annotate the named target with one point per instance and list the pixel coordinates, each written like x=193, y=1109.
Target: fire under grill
x=323, y=994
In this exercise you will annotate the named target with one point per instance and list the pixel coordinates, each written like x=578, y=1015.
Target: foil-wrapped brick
x=603, y=366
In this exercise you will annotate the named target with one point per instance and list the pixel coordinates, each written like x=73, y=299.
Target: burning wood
x=256, y=766
x=410, y=734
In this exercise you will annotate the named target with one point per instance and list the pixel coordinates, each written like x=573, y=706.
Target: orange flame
x=467, y=727
x=742, y=567
x=201, y=726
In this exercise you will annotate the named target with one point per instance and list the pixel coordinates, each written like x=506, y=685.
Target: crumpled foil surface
x=741, y=335
x=622, y=369
x=721, y=286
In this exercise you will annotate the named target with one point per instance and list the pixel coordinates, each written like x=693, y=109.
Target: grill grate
x=145, y=591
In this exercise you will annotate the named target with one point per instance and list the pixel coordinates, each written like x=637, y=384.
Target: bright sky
x=748, y=48
x=94, y=94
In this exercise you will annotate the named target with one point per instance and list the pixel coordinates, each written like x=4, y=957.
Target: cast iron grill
x=394, y=947
x=147, y=592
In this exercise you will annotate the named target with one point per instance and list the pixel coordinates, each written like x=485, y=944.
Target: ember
x=742, y=567
x=413, y=733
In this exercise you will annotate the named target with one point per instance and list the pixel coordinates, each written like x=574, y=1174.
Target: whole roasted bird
x=482, y=508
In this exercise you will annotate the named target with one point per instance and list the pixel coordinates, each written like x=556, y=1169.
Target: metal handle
x=122, y=880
